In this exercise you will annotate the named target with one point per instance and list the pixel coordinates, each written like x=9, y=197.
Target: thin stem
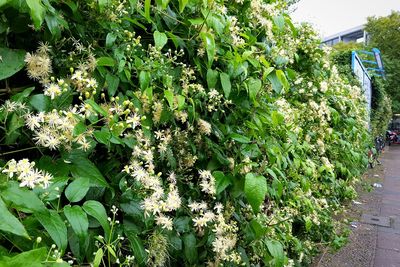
x=16, y=151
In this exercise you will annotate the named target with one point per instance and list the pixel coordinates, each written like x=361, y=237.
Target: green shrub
x=171, y=133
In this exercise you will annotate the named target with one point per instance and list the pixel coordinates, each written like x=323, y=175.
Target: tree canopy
x=385, y=34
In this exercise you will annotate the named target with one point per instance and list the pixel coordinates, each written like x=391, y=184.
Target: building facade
x=356, y=34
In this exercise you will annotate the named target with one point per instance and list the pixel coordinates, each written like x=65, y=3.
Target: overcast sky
x=333, y=16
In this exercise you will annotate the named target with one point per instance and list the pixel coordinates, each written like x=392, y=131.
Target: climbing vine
x=162, y=133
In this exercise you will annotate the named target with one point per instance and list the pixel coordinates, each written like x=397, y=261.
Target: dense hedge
x=171, y=133
x=381, y=106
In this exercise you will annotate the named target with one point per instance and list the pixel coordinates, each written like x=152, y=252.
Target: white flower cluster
x=83, y=83
x=165, y=137
x=214, y=100
x=262, y=13
x=141, y=168
x=38, y=64
x=26, y=174
x=235, y=31
x=11, y=106
x=204, y=127
x=285, y=108
x=53, y=129
x=225, y=232
x=207, y=182
x=225, y=240
x=204, y=216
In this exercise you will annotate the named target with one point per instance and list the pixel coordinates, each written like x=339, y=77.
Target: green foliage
x=177, y=132
x=384, y=34
x=381, y=103
x=381, y=113
x=11, y=62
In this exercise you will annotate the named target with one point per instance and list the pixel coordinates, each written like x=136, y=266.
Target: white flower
x=52, y=90
x=27, y=174
x=324, y=86
x=204, y=127
x=77, y=75
x=173, y=201
x=11, y=168
x=164, y=221
x=134, y=121
x=207, y=182
x=33, y=122
x=196, y=206
x=91, y=83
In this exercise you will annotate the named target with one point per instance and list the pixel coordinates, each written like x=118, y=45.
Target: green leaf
x=112, y=83
x=23, y=199
x=55, y=227
x=103, y=4
x=275, y=248
x=9, y=223
x=226, y=84
x=96, y=107
x=110, y=39
x=169, y=95
x=4, y=2
x=97, y=211
x=250, y=150
x=240, y=138
x=33, y=258
x=196, y=21
x=278, y=187
x=53, y=23
x=209, y=44
x=14, y=123
x=222, y=181
x=255, y=189
x=79, y=128
x=277, y=118
x=98, y=257
x=276, y=84
x=254, y=86
x=190, y=249
x=20, y=97
x=144, y=79
x=258, y=229
x=37, y=12
x=279, y=21
x=84, y=168
x=137, y=248
x=105, y=61
x=12, y=61
x=79, y=222
x=160, y=39
x=182, y=5
x=181, y=101
x=212, y=78
x=77, y=190
x=182, y=224
x=53, y=191
x=282, y=79
x=40, y=102
x=103, y=136
x=147, y=5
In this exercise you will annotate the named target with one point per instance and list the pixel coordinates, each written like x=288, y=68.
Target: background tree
x=385, y=34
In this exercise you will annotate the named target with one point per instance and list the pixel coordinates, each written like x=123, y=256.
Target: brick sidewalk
x=387, y=252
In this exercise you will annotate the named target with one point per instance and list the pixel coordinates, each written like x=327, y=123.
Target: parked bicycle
x=376, y=151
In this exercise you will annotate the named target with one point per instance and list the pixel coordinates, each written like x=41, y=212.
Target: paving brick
x=386, y=258
x=389, y=210
x=388, y=241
